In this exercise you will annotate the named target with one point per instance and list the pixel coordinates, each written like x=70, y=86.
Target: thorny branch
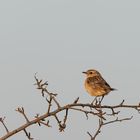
x=28, y=134
x=43, y=87
x=102, y=123
x=3, y=123
x=21, y=111
x=102, y=112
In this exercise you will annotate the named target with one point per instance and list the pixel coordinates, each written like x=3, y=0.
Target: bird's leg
x=95, y=99
x=101, y=99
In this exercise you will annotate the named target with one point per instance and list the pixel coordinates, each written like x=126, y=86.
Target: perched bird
x=95, y=85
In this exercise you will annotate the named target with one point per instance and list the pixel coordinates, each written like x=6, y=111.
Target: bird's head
x=91, y=73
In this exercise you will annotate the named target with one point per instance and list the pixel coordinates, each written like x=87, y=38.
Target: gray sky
x=59, y=40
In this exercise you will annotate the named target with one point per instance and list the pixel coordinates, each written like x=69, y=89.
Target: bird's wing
x=98, y=81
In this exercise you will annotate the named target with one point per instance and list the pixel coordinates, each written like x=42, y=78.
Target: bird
x=95, y=85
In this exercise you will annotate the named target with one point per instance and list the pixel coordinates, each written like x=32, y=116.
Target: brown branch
x=43, y=87
x=28, y=134
x=98, y=114
x=102, y=123
x=46, y=124
x=21, y=111
x=97, y=110
x=113, y=112
x=76, y=100
x=63, y=125
x=97, y=131
x=69, y=106
x=3, y=123
x=49, y=107
x=118, y=120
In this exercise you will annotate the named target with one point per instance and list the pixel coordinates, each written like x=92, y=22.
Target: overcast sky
x=59, y=39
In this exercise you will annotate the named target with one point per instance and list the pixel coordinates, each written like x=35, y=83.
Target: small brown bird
x=95, y=85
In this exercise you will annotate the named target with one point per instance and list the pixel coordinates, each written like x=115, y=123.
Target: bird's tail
x=113, y=89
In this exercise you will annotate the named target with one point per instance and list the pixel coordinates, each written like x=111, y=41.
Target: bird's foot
x=94, y=102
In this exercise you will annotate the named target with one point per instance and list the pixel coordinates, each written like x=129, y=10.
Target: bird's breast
x=93, y=90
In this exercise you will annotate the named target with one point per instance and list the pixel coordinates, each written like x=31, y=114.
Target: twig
x=98, y=130
x=63, y=126
x=97, y=110
x=76, y=100
x=59, y=123
x=89, y=112
x=43, y=87
x=3, y=123
x=28, y=134
x=101, y=124
x=46, y=124
x=49, y=107
x=118, y=120
x=68, y=106
x=21, y=111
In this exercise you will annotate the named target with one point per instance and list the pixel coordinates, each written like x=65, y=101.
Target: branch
x=118, y=120
x=43, y=87
x=28, y=134
x=102, y=123
x=97, y=109
x=21, y=111
x=3, y=123
x=63, y=125
x=68, y=106
x=97, y=132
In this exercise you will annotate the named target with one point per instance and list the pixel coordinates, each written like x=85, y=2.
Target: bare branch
x=98, y=114
x=21, y=111
x=28, y=134
x=118, y=120
x=102, y=112
x=101, y=124
x=76, y=100
x=46, y=124
x=43, y=87
x=49, y=107
x=3, y=123
x=97, y=131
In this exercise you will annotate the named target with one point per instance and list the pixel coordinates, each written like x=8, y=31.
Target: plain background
x=59, y=39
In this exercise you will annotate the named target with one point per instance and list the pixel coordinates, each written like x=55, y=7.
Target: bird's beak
x=84, y=72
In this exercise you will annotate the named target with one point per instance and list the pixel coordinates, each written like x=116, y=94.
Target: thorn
x=77, y=99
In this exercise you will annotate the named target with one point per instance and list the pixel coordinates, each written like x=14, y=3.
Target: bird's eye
x=90, y=73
